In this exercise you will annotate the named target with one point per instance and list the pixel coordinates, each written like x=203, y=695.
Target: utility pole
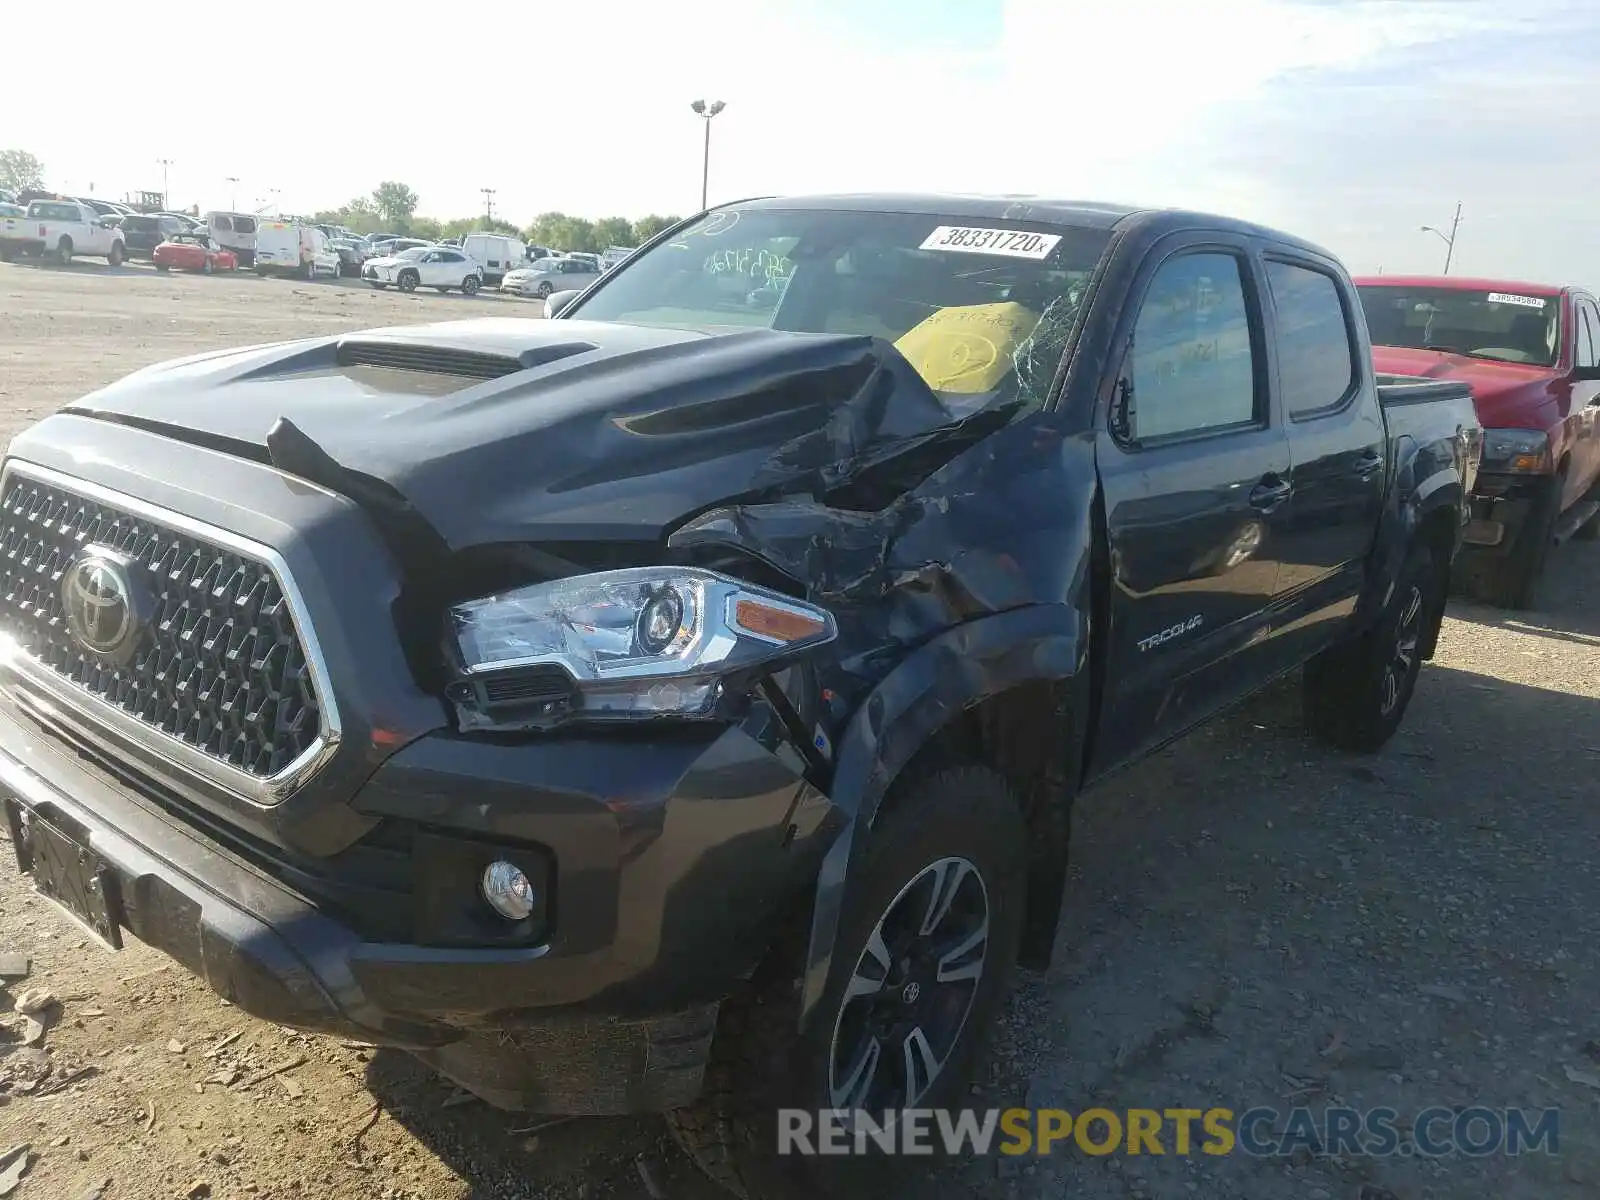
x=488, y=205
x=705, y=110
x=166, y=198
x=234, y=179
x=1450, y=240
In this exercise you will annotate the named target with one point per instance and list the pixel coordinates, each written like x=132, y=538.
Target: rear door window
x=1588, y=348
x=1316, y=352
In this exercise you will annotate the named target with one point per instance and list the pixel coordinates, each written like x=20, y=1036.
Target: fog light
x=508, y=891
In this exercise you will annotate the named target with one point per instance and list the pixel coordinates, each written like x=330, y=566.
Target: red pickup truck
x=1531, y=355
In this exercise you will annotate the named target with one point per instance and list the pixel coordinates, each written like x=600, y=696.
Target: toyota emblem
x=99, y=601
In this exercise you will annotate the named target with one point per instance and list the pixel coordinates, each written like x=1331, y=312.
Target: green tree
x=395, y=204
x=613, y=231
x=19, y=170
x=646, y=228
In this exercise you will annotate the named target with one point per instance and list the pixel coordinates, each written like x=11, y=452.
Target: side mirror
x=558, y=302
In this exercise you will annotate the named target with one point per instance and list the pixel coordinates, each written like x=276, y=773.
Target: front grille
x=218, y=663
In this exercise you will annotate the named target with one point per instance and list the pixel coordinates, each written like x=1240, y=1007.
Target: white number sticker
x=1014, y=243
x=1525, y=301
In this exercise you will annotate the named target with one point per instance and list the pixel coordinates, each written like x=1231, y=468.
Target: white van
x=495, y=253
x=290, y=248
x=236, y=232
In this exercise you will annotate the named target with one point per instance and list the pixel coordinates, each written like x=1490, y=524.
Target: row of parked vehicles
x=64, y=227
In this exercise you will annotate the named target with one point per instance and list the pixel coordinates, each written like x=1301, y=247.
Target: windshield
x=1504, y=326
x=981, y=309
x=414, y=253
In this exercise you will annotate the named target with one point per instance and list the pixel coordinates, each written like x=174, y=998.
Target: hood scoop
x=397, y=355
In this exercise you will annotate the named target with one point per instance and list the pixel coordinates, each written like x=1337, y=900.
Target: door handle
x=1271, y=492
x=1369, y=464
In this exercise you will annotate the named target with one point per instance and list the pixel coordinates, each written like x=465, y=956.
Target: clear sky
x=1351, y=122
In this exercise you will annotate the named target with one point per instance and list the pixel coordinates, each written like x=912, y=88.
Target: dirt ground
x=1251, y=920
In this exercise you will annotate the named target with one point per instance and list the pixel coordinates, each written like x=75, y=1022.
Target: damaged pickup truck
x=679, y=705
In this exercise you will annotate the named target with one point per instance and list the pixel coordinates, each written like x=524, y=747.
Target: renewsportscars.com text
x=1435, y=1132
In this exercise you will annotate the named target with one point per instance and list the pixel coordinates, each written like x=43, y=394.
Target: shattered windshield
x=1503, y=325
x=981, y=308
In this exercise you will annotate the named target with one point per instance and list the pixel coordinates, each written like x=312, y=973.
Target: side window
x=1316, y=359
x=1192, y=363
x=223, y=225
x=1588, y=331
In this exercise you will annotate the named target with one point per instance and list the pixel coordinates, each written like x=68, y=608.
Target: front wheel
x=1356, y=693
x=927, y=940
x=163, y=267
x=408, y=281
x=543, y=290
x=115, y=257
x=205, y=267
x=470, y=285
x=1513, y=581
x=64, y=252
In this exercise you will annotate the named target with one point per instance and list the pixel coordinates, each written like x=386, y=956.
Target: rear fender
x=1427, y=502
x=947, y=676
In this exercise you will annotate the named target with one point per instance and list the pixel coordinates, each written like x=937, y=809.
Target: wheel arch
x=1006, y=691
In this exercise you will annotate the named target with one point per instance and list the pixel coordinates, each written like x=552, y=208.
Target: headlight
x=1525, y=451
x=642, y=642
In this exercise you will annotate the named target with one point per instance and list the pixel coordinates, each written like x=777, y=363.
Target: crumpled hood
x=594, y=431
x=1506, y=395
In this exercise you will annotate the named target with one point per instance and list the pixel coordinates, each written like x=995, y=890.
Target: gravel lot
x=1251, y=920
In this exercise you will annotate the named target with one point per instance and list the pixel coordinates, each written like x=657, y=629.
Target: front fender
x=936, y=683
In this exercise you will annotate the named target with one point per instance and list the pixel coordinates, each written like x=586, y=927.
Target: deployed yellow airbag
x=967, y=349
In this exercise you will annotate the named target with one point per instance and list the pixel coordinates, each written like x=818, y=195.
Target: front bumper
x=669, y=863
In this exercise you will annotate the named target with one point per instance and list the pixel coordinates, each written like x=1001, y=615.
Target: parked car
x=680, y=705
x=101, y=208
x=614, y=255
x=1531, y=355
x=234, y=231
x=290, y=248
x=143, y=232
x=584, y=256
x=352, y=253
x=495, y=254
x=8, y=197
x=62, y=230
x=536, y=252
x=194, y=252
x=8, y=209
x=392, y=246
x=441, y=267
x=550, y=275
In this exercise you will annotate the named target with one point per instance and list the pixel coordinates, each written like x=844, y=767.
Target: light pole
x=166, y=198
x=488, y=206
x=1448, y=240
x=277, y=200
x=234, y=179
x=706, y=109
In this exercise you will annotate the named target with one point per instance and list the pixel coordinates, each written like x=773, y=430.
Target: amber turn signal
x=778, y=624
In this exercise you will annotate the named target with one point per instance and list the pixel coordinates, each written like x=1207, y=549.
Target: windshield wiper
x=1469, y=354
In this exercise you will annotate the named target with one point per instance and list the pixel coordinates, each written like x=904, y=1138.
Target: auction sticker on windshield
x=1015, y=243
x=1525, y=301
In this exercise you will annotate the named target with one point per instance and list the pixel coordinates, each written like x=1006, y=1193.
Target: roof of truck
x=1082, y=213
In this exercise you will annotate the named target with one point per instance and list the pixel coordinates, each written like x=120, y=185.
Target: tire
x=308, y=272
x=63, y=254
x=378, y=287
x=1513, y=582
x=163, y=268
x=1590, y=530
x=958, y=829
x=205, y=266
x=115, y=257
x=543, y=290
x=470, y=285
x=1355, y=694
x=407, y=281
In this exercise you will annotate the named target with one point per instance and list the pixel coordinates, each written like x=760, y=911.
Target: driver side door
x=1585, y=411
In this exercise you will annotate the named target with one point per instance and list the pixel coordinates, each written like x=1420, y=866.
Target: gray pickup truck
x=679, y=705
